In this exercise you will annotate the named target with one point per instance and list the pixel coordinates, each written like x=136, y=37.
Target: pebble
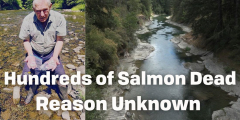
x=64, y=51
x=70, y=66
x=65, y=115
x=16, y=95
x=8, y=90
x=81, y=69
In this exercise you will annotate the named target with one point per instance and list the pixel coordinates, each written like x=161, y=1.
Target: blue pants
x=61, y=90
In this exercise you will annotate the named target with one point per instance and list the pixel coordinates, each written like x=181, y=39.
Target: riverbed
x=12, y=60
x=168, y=58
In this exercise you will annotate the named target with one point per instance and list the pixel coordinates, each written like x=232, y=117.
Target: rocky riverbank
x=214, y=66
x=141, y=52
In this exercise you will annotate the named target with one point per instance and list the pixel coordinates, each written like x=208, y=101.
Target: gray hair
x=35, y=1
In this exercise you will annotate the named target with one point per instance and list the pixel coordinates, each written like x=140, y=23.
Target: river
x=168, y=58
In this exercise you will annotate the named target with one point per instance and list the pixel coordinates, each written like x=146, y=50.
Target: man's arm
x=57, y=50
x=30, y=59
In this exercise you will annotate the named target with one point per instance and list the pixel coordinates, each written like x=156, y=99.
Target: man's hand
x=52, y=63
x=31, y=62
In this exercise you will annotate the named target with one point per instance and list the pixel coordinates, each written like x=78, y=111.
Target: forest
x=27, y=4
x=216, y=22
x=111, y=25
x=110, y=28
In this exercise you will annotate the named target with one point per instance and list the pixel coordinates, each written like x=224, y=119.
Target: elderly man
x=42, y=32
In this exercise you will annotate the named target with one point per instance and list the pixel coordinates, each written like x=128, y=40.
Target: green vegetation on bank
x=27, y=4
x=217, y=22
x=110, y=28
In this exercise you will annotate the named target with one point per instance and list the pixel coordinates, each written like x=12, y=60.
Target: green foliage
x=10, y=4
x=216, y=21
x=27, y=4
x=79, y=7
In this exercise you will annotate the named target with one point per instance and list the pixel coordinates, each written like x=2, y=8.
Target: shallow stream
x=169, y=59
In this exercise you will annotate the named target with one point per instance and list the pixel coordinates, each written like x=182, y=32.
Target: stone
x=33, y=115
x=81, y=69
x=176, y=40
x=128, y=114
x=188, y=54
x=231, y=94
x=49, y=113
x=74, y=17
x=65, y=115
x=7, y=90
x=16, y=95
x=82, y=116
x=59, y=112
x=56, y=117
x=200, y=95
x=71, y=66
x=81, y=57
x=73, y=115
x=195, y=67
x=66, y=40
x=77, y=49
x=64, y=51
x=6, y=114
x=70, y=32
x=16, y=64
x=41, y=94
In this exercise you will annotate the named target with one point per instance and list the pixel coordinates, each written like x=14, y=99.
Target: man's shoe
x=28, y=98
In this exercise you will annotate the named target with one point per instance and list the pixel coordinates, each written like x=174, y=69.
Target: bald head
x=37, y=2
x=42, y=9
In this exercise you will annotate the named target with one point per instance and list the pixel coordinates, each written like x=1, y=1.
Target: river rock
x=7, y=90
x=128, y=114
x=226, y=114
x=70, y=32
x=183, y=45
x=176, y=40
x=82, y=116
x=56, y=117
x=42, y=94
x=66, y=40
x=77, y=49
x=48, y=113
x=71, y=66
x=6, y=114
x=16, y=95
x=73, y=115
x=65, y=115
x=195, y=67
x=59, y=112
x=142, y=51
x=231, y=94
x=74, y=17
x=64, y=51
x=200, y=95
x=188, y=54
x=81, y=58
x=81, y=68
x=184, y=28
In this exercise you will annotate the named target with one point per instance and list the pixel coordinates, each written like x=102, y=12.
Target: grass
x=78, y=7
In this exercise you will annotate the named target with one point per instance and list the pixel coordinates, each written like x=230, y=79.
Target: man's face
x=42, y=10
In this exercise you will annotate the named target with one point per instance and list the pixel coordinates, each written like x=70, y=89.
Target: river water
x=169, y=59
